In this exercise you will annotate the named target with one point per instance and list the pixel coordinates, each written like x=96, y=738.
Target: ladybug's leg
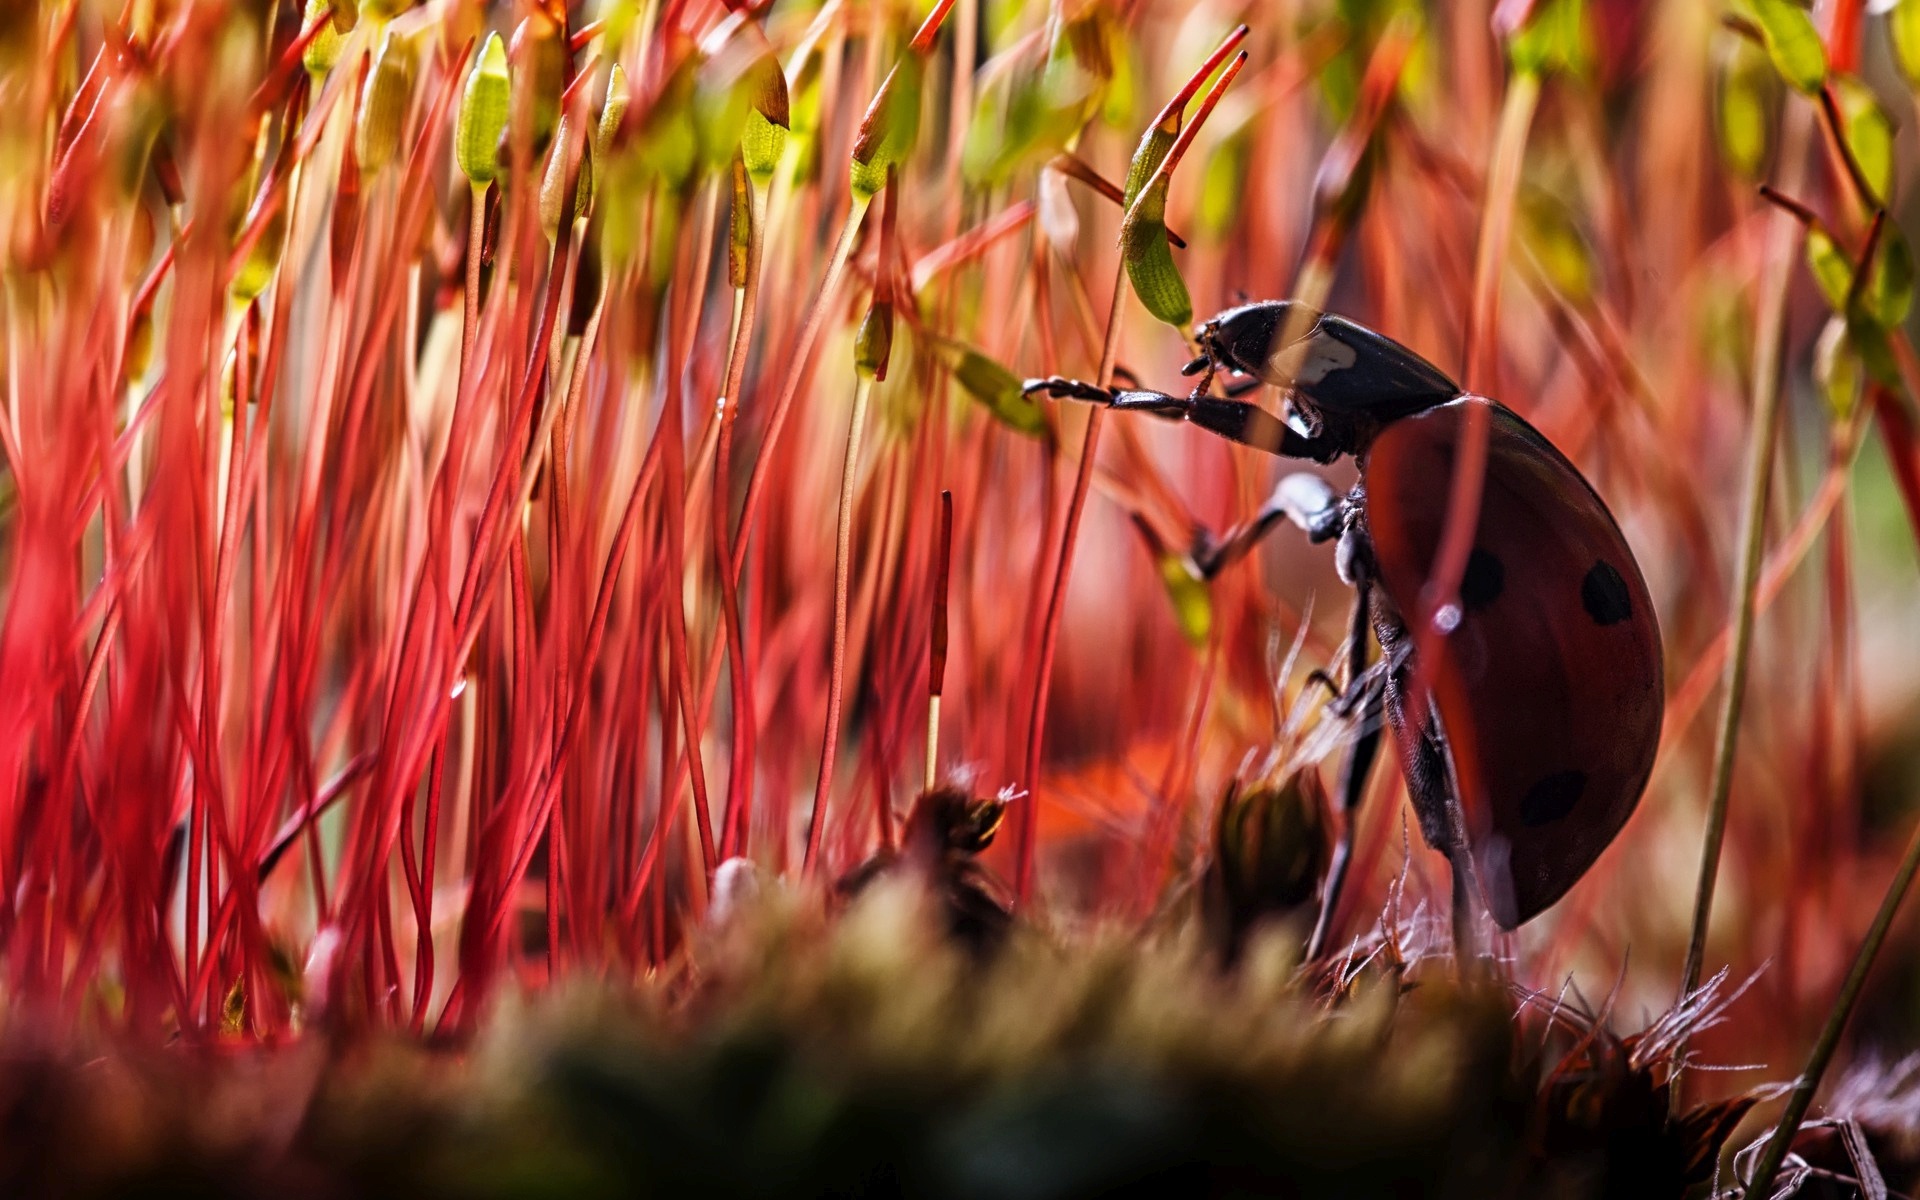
x=1235, y=420
x=1320, y=511
x=1364, y=698
x=1305, y=499
x=1426, y=761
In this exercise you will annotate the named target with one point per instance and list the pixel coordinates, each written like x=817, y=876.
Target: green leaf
x=1556, y=240
x=1903, y=30
x=668, y=142
x=1554, y=39
x=1837, y=368
x=1192, y=602
x=1832, y=270
x=1888, y=294
x=1869, y=133
x=1876, y=353
x=1793, y=44
x=1033, y=102
x=1223, y=184
x=994, y=386
x=1749, y=96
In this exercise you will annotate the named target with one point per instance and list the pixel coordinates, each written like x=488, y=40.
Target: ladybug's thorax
x=1342, y=377
x=1351, y=432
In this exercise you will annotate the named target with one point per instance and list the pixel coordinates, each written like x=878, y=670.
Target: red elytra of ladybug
x=1528, y=739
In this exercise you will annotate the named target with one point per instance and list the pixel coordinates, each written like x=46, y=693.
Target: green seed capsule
x=1147, y=157
x=1149, y=260
x=764, y=138
x=888, y=131
x=384, y=104
x=762, y=143
x=483, y=114
x=873, y=344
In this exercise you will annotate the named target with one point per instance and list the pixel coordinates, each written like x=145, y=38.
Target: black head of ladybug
x=1327, y=365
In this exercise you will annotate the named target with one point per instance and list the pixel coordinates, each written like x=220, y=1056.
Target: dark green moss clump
x=795, y=1054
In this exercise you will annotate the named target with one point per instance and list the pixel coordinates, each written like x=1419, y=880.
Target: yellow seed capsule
x=1192, y=600
x=740, y=226
x=384, y=104
x=483, y=114
x=139, y=353
x=256, y=271
x=553, y=186
x=613, y=111
x=1903, y=33
x=324, y=50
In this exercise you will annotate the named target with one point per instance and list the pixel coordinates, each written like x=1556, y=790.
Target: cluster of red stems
x=436, y=528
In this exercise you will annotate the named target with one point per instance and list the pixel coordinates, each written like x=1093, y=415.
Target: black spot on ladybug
x=1483, y=581
x=1605, y=595
x=1552, y=798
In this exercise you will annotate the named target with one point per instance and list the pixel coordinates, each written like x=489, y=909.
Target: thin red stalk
x=690, y=277
x=1768, y=352
x=795, y=374
x=1157, y=856
x=1025, y=819
x=733, y=836
x=1441, y=594
x=843, y=541
x=1898, y=432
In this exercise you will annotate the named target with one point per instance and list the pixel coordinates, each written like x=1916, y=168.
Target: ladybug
x=1528, y=741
